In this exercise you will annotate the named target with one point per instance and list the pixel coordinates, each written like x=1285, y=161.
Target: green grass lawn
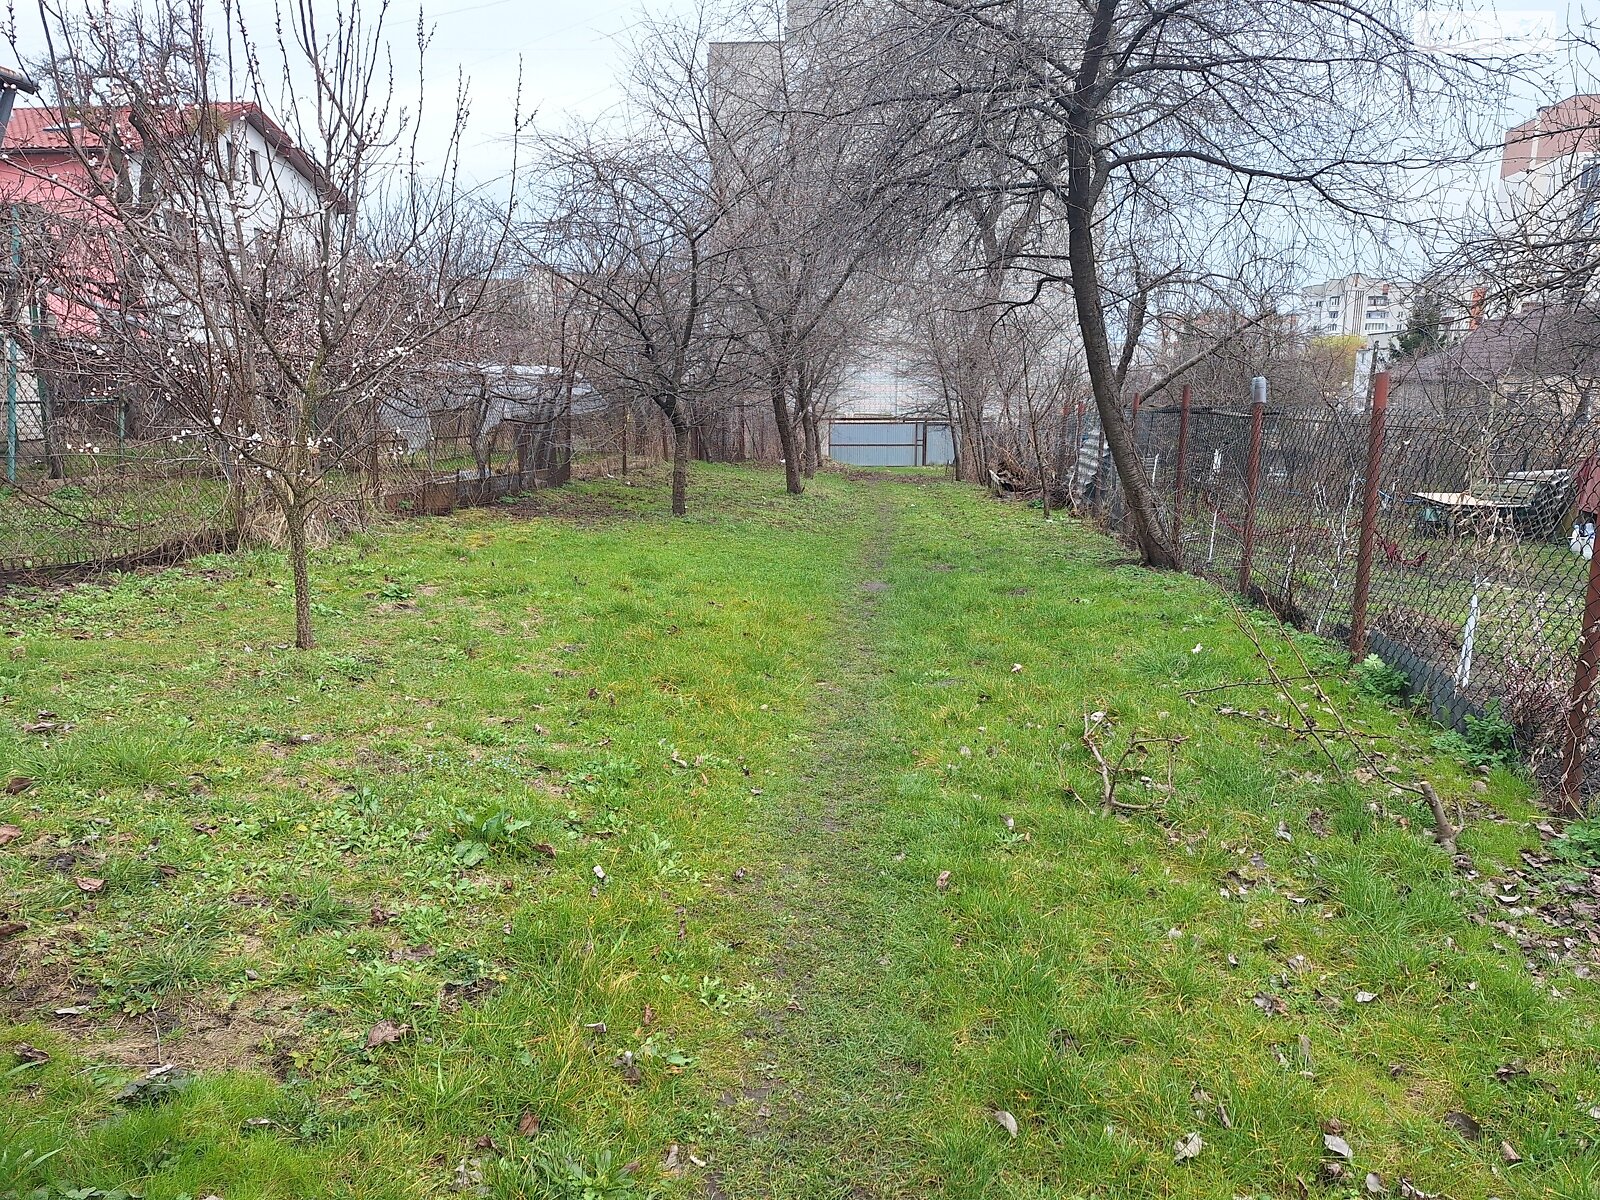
x=595, y=855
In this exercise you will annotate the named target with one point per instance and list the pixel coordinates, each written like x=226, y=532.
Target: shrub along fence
x=1457, y=546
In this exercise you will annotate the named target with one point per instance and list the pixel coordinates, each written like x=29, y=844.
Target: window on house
x=255, y=167
x=233, y=160
x=1589, y=176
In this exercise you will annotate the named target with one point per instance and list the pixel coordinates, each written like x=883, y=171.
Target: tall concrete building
x=881, y=411
x=1355, y=306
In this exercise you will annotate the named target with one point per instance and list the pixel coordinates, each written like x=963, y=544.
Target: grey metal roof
x=1543, y=343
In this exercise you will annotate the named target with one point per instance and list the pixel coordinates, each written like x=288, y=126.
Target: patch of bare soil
x=200, y=1033
x=34, y=983
x=880, y=475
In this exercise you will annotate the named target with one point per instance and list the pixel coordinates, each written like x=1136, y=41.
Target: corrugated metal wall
x=891, y=443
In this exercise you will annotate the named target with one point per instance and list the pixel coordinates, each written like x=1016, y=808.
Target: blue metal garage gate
x=861, y=443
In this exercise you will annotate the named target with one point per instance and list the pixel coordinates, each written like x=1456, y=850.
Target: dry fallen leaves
x=629, y=1066
x=943, y=882
x=1273, y=1006
x=87, y=883
x=9, y=834
x=29, y=1054
x=1005, y=1120
x=527, y=1123
x=385, y=1033
x=18, y=784
x=1186, y=1148
x=1337, y=1146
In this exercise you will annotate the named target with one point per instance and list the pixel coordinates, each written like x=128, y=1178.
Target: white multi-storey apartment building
x=1355, y=306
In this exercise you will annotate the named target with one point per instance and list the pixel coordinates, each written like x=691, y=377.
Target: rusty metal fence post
x=1369, y=516
x=1252, y=479
x=1183, y=467
x=1581, y=702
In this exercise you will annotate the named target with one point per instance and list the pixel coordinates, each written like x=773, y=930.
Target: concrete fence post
x=1252, y=479
x=1377, y=422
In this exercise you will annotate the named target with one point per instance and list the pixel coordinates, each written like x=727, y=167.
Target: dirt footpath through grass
x=754, y=855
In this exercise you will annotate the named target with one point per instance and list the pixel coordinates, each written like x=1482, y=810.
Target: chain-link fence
x=1467, y=564
x=96, y=481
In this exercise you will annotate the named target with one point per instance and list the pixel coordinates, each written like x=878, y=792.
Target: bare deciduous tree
x=263, y=284
x=628, y=226
x=1162, y=136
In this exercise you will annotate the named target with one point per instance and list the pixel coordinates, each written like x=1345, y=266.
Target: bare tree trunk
x=1061, y=442
x=374, y=499
x=811, y=446
x=680, y=467
x=233, y=506
x=294, y=522
x=780, y=412
x=1083, y=257
x=974, y=455
x=1038, y=457
x=481, y=439
x=52, y=449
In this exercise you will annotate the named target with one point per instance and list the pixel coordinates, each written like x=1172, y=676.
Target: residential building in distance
x=1550, y=165
x=68, y=284
x=1355, y=306
x=876, y=410
x=1542, y=363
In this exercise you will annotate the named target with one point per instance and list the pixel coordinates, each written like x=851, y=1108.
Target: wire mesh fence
x=1468, y=565
x=96, y=483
